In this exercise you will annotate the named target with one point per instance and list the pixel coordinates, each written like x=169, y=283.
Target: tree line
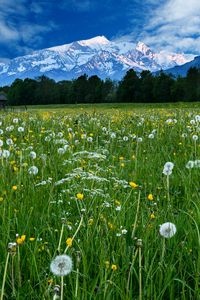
x=144, y=87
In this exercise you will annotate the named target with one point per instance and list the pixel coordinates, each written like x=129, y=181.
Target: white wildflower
x=32, y=155
x=167, y=230
x=190, y=164
x=125, y=139
x=139, y=139
x=15, y=121
x=195, y=137
x=33, y=170
x=61, y=151
x=5, y=153
x=90, y=139
x=61, y=265
x=9, y=142
x=20, y=129
x=151, y=136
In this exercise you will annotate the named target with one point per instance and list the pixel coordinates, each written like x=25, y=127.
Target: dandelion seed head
x=33, y=170
x=61, y=265
x=167, y=230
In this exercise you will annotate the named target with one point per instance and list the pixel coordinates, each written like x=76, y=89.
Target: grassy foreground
x=89, y=182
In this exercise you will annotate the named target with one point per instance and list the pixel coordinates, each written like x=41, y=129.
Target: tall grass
x=112, y=231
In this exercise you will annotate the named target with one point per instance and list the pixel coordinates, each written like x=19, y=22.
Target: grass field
x=92, y=183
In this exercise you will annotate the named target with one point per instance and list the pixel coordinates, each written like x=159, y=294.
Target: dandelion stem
x=60, y=240
x=136, y=154
x=77, y=276
x=4, y=276
x=13, y=280
x=18, y=262
x=77, y=230
x=163, y=250
x=140, y=273
x=131, y=268
x=139, y=247
x=136, y=216
x=168, y=195
x=62, y=288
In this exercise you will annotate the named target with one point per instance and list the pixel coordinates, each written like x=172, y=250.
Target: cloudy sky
x=27, y=25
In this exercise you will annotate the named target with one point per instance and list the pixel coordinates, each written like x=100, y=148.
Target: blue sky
x=28, y=25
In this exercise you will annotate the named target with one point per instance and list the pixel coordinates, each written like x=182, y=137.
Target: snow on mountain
x=95, y=56
x=183, y=69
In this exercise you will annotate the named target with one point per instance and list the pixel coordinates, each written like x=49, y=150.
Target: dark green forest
x=144, y=88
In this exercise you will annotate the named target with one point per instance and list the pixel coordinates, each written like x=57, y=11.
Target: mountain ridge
x=95, y=56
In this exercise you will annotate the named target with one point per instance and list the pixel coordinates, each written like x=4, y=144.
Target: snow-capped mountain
x=183, y=69
x=96, y=56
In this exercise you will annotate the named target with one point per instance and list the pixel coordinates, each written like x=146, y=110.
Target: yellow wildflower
x=90, y=222
x=32, y=239
x=114, y=267
x=79, y=196
x=133, y=184
x=152, y=216
x=14, y=187
x=118, y=203
x=150, y=197
x=69, y=242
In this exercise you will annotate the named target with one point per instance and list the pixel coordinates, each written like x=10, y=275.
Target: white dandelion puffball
x=9, y=142
x=20, y=129
x=90, y=139
x=1, y=143
x=6, y=153
x=167, y=171
x=168, y=165
x=151, y=136
x=15, y=121
x=61, y=265
x=167, y=230
x=61, y=151
x=33, y=170
x=33, y=155
x=195, y=137
x=190, y=164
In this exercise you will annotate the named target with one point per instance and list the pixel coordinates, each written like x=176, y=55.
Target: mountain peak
x=95, y=56
x=101, y=40
x=142, y=47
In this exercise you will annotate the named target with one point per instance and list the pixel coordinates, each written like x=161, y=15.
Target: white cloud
x=174, y=25
x=16, y=29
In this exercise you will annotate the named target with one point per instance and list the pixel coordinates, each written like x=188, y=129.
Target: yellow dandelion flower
x=14, y=187
x=114, y=267
x=90, y=222
x=69, y=242
x=152, y=216
x=79, y=196
x=118, y=203
x=32, y=239
x=19, y=241
x=150, y=197
x=110, y=225
x=23, y=237
x=133, y=184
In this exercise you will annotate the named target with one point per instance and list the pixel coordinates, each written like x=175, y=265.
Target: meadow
x=110, y=190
